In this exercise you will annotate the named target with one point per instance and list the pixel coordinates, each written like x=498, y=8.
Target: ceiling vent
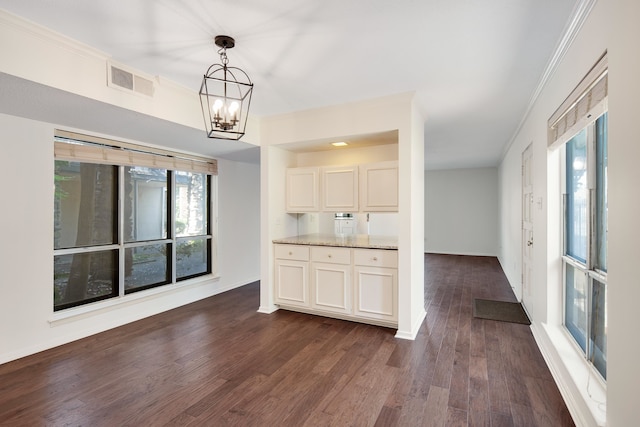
x=120, y=78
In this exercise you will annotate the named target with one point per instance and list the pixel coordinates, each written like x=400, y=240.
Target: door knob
x=530, y=242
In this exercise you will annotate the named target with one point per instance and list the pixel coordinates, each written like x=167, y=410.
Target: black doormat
x=502, y=311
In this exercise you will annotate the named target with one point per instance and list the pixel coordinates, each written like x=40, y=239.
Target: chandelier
x=225, y=96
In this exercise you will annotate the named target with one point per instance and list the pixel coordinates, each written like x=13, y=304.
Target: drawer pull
x=290, y=253
x=375, y=258
x=329, y=255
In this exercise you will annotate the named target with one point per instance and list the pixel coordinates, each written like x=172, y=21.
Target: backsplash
x=379, y=224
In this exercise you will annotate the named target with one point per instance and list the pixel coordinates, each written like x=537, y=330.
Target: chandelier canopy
x=225, y=96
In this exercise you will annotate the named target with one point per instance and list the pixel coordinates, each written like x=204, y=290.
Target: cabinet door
x=302, y=190
x=331, y=287
x=379, y=187
x=292, y=282
x=376, y=293
x=340, y=189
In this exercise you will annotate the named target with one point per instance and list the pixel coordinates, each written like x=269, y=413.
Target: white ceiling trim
x=25, y=26
x=578, y=17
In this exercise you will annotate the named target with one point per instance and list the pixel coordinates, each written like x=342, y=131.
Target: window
x=579, y=129
x=147, y=256
x=126, y=220
x=585, y=255
x=193, y=253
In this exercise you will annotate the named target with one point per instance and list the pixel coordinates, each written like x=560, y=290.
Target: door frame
x=526, y=291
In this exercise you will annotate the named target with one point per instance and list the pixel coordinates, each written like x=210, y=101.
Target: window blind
x=77, y=147
x=585, y=104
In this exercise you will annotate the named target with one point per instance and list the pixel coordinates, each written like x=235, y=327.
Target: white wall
x=611, y=26
x=345, y=156
x=26, y=293
x=624, y=211
x=238, y=222
x=461, y=211
x=275, y=223
x=543, y=300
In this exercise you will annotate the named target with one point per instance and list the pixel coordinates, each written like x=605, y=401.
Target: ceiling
x=473, y=64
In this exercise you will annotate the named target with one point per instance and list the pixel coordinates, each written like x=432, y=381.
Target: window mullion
x=84, y=249
x=171, y=233
x=121, y=251
x=589, y=349
x=599, y=276
x=591, y=194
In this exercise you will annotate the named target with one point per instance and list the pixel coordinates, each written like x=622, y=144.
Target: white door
x=527, y=224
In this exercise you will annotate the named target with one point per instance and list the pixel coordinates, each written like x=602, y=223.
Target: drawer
x=376, y=257
x=331, y=254
x=293, y=252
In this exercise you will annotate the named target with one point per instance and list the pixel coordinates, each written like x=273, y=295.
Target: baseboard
x=460, y=253
x=338, y=316
x=268, y=309
x=415, y=328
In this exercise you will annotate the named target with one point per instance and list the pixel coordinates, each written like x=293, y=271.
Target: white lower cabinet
x=375, y=293
x=375, y=283
x=292, y=275
x=331, y=279
x=354, y=284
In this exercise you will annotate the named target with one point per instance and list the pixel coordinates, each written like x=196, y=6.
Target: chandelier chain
x=223, y=56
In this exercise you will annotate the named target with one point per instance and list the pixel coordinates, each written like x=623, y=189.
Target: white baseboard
x=459, y=253
x=268, y=309
x=413, y=333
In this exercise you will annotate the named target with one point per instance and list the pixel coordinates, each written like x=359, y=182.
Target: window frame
x=171, y=241
x=586, y=267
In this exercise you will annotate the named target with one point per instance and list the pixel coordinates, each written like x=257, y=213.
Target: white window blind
x=69, y=146
x=585, y=104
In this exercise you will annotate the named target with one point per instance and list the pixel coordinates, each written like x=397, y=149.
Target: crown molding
x=579, y=15
x=47, y=35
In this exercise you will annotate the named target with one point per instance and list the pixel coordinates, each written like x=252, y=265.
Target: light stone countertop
x=354, y=241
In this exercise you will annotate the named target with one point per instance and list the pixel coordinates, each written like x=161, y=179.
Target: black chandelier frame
x=225, y=96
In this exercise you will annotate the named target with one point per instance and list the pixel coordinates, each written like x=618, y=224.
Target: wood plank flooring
x=218, y=362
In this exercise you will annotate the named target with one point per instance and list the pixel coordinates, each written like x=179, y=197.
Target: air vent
x=124, y=79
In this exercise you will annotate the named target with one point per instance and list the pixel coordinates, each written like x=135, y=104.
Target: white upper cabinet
x=340, y=189
x=370, y=187
x=303, y=190
x=379, y=187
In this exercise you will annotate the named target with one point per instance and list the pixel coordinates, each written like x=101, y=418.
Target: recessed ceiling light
x=339, y=144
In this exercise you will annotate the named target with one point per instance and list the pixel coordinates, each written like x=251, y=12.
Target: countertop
x=355, y=241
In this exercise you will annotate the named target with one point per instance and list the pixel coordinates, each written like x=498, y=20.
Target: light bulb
x=217, y=106
x=234, y=107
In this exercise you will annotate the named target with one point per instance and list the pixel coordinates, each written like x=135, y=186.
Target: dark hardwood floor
x=218, y=362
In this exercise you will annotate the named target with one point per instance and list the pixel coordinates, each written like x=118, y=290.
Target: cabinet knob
x=375, y=258
x=290, y=253
x=329, y=255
